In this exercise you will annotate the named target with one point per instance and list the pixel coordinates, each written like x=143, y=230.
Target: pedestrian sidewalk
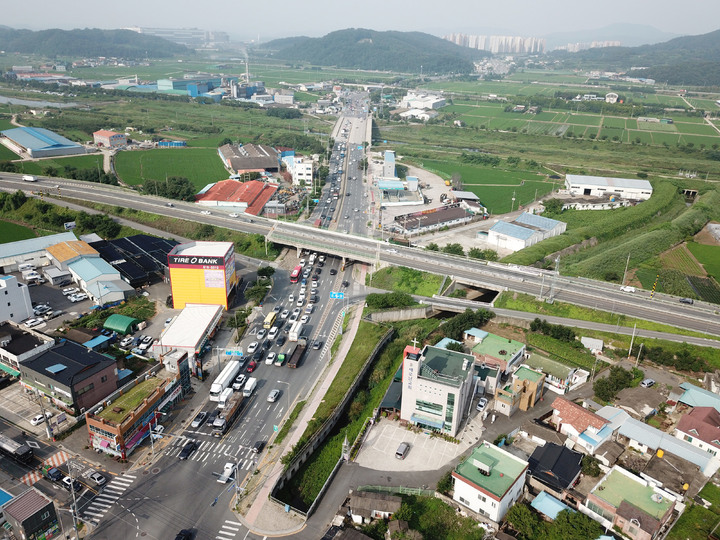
x=264, y=516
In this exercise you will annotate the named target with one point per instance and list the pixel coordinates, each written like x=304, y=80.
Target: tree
x=475, y=253
x=454, y=249
x=266, y=271
x=445, y=484
x=225, y=141
x=553, y=206
x=432, y=246
x=571, y=525
x=590, y=466
x=524, y=521
x=456, y=181
x=457, y=347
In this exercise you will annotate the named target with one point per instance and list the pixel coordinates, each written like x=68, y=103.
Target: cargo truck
x=295, y=331
x=297, y=353
x=225, y=419
x=29, y=178
x=249, y=387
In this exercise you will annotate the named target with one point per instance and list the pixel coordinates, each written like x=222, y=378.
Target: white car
x=482, y=404
x=39, y=418
x=70, y=290
x=252, y=347
x=33, y=322
x=627, y=288
x=285, y=313
x=272, y=334
x=206, y=212
x=304, y=319
x=302, y=262
x=126, y=342
x=291, y=298
x=77, y=297
x=270, y=358
x=261, y=333
x=273, y=395
x=391, y=250
x=233, y=215
x=157, y=432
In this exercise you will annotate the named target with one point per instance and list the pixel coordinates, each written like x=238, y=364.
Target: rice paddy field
x=201, y=166
x=11, y=232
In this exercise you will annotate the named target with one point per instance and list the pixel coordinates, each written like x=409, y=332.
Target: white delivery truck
x=225, y=397
x=295, y=331
x=249, y=387
x=29, y=178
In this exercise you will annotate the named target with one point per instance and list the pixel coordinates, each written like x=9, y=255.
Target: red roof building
x=249, y=197
x=701, y=428
x=580, y=425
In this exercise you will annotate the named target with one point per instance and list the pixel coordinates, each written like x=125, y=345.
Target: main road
x=700, y=317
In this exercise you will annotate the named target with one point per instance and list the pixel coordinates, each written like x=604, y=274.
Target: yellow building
x=202, y=273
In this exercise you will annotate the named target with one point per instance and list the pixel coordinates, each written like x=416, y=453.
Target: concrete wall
x=404, y=314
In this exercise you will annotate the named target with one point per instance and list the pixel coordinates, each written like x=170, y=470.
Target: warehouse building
x=190, y=332
x=524, y=231
x=109, y=139
x=249, y=197
x=40, y=142
x=437, y=387
x=202, y=273
x=428, y=220
x=596, y=186
x=250, y=157
x=31, y=251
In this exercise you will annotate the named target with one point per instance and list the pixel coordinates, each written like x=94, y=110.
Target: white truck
x=225, y=397
x=250, y=386
x=29, y=178
x=295, y=331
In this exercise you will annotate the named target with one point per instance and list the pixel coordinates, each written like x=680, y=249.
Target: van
x=402, y=450
x=686, y=301
x=250, y=387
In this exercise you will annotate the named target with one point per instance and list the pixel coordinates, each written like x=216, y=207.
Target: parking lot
x=426, y=452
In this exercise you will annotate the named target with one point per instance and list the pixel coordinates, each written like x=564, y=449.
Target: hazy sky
x=245, y=19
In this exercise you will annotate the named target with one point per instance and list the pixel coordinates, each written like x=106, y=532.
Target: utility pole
x=632, y=340
x=627, y=264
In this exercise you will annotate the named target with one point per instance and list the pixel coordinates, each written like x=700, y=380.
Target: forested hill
x=89, y=42
x=689, y=60
x=393, y=51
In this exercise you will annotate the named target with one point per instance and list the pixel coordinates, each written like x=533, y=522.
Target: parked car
x=199, y=419
x=126, y=342
x=39, y=418
x=33, y=322
x=647, y=383
x=70, y=290
x=482, y=404
x=147, y=339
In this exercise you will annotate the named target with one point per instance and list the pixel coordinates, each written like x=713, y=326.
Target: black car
x=317, y=345
x=54, y=474
x=281, y=341
x=333, y=271
x=187, y=450
x=212, y=416
x=258, y=446
x=345, y=284
x=267, y=344
x=318, y=271
x=185, y=534
x=257, y=356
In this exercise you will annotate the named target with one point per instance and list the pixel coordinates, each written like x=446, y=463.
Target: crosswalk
x=57, y=459
x=213, y=449
x=228, y=530
x=107, y=497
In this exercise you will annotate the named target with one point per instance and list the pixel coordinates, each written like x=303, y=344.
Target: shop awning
x=104, y=444
x=424, y=420
x=8, y=369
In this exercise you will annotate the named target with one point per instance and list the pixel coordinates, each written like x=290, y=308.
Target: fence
x=398, y=490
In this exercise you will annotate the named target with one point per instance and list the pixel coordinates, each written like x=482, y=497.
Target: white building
x=489, y=481
x=420, y=114
x=30, y=251
x=526, y=230
x=415, y=100
x=596, y=186
x=301, y=170
x=437, y=386
x=15, y=303
x=18, y=344
x=189, y=332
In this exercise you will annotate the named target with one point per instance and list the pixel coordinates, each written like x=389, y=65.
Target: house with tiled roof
x=366, y=506
x=583, y=427
x=554, y=467
x=249, y=197
x=701, y=428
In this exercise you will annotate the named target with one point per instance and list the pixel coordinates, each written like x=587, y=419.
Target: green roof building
x=500, y=352
x=489, y=481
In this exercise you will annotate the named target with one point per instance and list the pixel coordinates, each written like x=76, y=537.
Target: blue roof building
x=694, y=396
x=526, y=230
x=87, y=271
x=40, y=142
x=548, y=505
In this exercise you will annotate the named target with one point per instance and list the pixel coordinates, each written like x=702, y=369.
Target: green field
x=94, y=161
x=11, y=232
x=5, y=124
x=708, y=256
x=6, y=154
x=201, y=166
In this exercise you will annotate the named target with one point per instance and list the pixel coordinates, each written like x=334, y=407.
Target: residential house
x=648, y=440
x=18, y=344
x=366, y=506
x=583, y=427
x=634, y=505
x=32, y=515
x=522, y=392
x=549, y=506
x=554, y=467
x=489, y=481
x=701, y=428
x=500, y=352
x=559, y=378
x=694, y=396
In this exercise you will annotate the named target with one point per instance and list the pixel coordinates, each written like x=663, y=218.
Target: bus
x=270, y=319
x=20, y=452
x=225, y=379
x=295, y=274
